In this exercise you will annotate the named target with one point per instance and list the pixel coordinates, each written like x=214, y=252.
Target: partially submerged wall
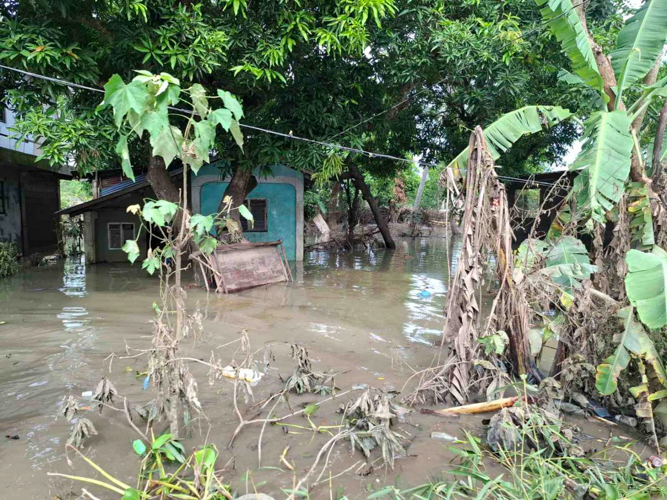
x=283, y=192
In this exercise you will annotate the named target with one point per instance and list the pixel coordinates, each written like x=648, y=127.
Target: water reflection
x=74, y=277
x=413, y=277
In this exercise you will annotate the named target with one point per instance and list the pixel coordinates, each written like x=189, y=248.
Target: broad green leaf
x=201, y=224
x=131, y=494
x=159, y=212
x=205, y=131
x=222, y=117
x=606, y=378
x=206, y=457
x=198, y=153
x=604, y=163
x=123, y=98
x=160, y=441
x=124, y=153
x=235, y=129
x=173, y=453
x=139, y=447
x=245, y=213
x=640, y=42
x=199, y=99
x=231, y=104
x=645, y=285
x=567, y=262
x=208, y=245
x=565, y=24
x=311, y=409
x=151, y=264
x=509, y=128
x=132, y=250
x=165, y=139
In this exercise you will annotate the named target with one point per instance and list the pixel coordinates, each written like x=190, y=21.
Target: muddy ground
x=359, y=314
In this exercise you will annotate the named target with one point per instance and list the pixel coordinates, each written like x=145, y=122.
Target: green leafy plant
x=196, y=477
x=8, y=259
x=632, y=342
x=645, y=285
x=143, y=105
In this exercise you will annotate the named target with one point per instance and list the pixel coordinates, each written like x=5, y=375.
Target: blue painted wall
x=281, y=202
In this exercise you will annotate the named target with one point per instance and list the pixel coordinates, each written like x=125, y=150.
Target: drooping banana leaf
x=565, y=24
x=639, y=215
x=567, y=263
x=633, y=339
x=509, y=128
x=646, y=284
x=640, y=43
x=604, y=162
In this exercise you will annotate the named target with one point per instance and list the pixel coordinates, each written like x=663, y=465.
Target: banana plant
x=610, y=143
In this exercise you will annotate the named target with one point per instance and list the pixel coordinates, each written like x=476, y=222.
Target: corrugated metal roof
x=122, y=185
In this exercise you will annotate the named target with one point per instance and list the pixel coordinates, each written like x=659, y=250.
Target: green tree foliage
x=75, y=192
x=315, y=68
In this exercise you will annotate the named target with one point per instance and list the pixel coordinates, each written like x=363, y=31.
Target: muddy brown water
x=360, y=314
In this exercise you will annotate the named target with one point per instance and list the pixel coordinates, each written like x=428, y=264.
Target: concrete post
x=89, y=237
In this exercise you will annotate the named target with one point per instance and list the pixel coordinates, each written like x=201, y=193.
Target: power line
x=369, y=154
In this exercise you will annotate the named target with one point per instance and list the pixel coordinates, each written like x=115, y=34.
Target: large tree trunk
x=366, y=192
x=240, y=185
x=160, y=180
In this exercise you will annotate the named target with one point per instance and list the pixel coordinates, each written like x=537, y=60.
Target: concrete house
x=29, y=194
x=276, y=204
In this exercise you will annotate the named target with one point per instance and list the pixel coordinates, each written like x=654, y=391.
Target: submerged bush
x=9, y=255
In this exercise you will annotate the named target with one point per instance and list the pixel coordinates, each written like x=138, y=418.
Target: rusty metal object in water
x=240, y=266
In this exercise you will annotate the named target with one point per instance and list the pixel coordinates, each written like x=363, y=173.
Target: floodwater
x=360, y=314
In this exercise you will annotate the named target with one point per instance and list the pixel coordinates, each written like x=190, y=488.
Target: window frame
x=266, y=216
x=109, y=224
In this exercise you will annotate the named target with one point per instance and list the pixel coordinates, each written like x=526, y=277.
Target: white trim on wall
x=198, y=181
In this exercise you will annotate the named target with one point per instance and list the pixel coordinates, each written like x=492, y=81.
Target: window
x=528, y=202
x=258, y=209
x=119, y=233
x=3, y=201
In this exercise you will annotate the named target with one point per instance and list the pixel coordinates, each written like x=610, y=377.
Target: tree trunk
x=332, y=209
x=352, y=209
x=366, y=192
x=164, y=186
x=160, y=180
x=650, y=78
x=658, y=143
x=240, y=185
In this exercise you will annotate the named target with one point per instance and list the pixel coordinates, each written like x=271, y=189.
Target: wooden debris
x=478, y=407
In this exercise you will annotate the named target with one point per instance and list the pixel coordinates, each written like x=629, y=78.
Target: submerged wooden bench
x=239, y=266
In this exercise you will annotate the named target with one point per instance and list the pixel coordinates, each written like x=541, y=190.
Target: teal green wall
x=281, y=201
